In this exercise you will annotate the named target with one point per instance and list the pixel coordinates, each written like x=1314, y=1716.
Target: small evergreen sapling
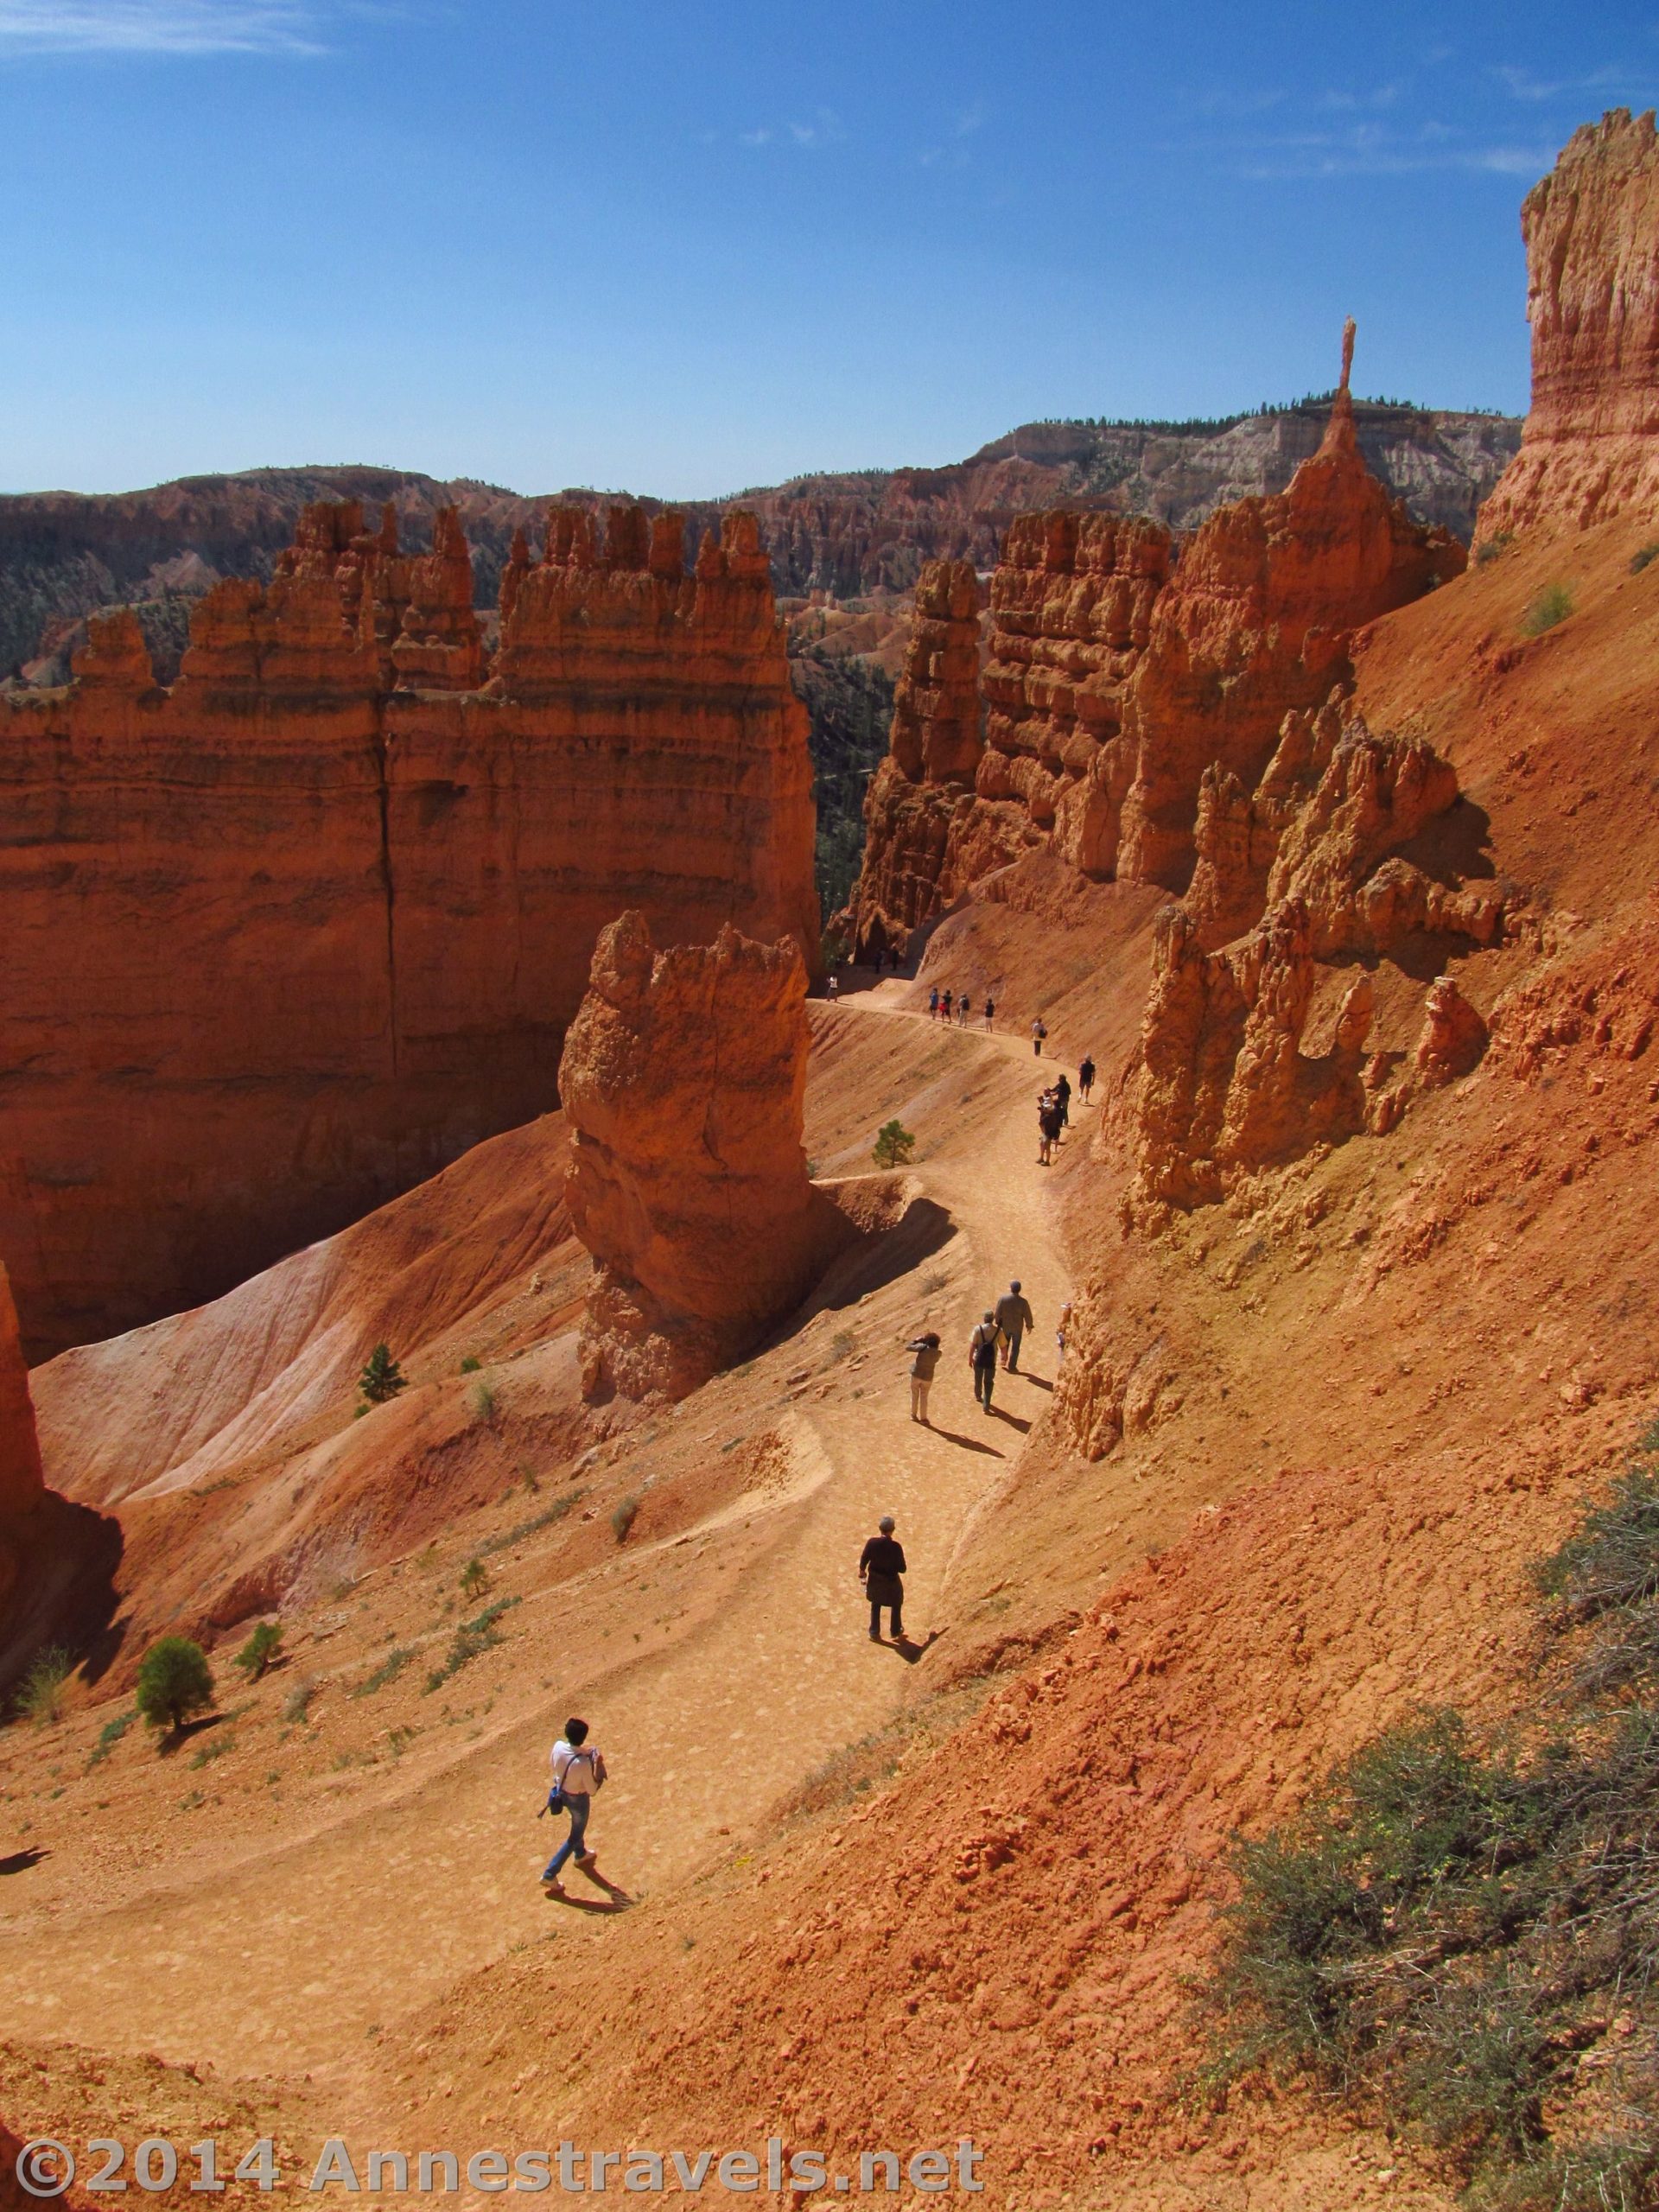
x=260, y=1650
x=893, y=1144
x=174, y=1683
x=382, y=1378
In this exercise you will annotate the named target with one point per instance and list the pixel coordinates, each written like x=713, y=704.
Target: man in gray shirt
x=1013, y=1318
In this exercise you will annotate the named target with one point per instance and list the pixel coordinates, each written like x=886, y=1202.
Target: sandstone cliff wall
x=1589, y=448
x=289, y=936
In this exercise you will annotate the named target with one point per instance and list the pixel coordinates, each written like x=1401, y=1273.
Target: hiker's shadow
x=1014, y=1422
x=909, y=1651
x=615, y=1899
x=1037, y=1379
x=21, y=1861
x=968, y=1443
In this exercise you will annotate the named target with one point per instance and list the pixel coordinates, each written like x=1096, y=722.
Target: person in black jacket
x=878, y=1570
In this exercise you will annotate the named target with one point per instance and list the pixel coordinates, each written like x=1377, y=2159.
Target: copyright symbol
x=45, y=2167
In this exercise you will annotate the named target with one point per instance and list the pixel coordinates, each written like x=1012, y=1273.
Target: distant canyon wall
x=65, y=554
x=287, y=937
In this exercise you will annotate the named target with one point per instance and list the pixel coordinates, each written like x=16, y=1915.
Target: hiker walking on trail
x=963, y=1009
x=879, y=1569
x=933, y=1000
x=922, y=1366
x=1013, y=1318
x=1063, y=1100
x=1085, y=1079
x=1048, y=1129
x=1061, y=1332
x=944, y=1006
x=1039, y=1031
x=990, y=1012
x=982, y=1357
x=833, y=987
x=578, y=1771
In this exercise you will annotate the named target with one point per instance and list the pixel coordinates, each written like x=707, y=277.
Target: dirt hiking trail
x=283, y=1948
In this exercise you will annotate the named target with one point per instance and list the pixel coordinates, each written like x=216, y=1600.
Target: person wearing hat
x=879, y=1570
x=1013, y=1318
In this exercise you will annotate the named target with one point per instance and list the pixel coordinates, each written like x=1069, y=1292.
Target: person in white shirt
x=578, y=1771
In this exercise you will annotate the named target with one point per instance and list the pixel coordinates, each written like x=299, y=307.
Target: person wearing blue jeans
x=578, y=1771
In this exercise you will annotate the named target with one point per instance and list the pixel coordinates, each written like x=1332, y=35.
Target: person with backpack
x=933, y=1002
x=1048, y=1129
x=1013, y=1318
x=990, y=1012
x=1085, y=1079
x=925, y=1360
x=982, y=1357
x=578, y=1772
x=1063, y=1099
x=1039, y=1031
x=944, y=1006
x=879, y=1570
x=963, y=1009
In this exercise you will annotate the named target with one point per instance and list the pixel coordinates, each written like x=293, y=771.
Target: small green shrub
x=469, y=1639
x=1641, y=557
x=214, y=1748
x=623, y=1516
x=483, y=1401
x=1490, y=548
x=893, y=1144
x=474, y=1578
x=544, y=1519
x=388, y=1671
x=110, y=1735
x=39, y=1696
x=261, y=1651
x=175, y=1680
x=296, y=1705
x=382, y=1378
x=1460, y=1930
x=1553, y=605
x=471, y=1364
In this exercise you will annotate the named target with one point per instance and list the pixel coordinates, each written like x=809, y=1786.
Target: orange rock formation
x=1590, y=445
x=1257, y=620
x=289, y=936
x=1116, y=684
x=20, y=1483
x=682, y=1079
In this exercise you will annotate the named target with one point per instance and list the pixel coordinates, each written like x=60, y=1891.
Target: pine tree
x=382, y=1378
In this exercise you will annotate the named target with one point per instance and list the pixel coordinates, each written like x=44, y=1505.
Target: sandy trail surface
x=282, y=1949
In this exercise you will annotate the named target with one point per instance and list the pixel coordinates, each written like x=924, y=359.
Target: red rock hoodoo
x=289, y=936
x=1118, y=678
x=682, y=1079
x=1591, y=446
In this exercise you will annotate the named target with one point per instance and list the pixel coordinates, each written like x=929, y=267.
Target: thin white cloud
x=1370, y=151
x=181, y=26
x=1522, y=85
x=825, y=129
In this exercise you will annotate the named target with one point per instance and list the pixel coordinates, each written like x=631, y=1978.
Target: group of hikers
x=996, y=1338
x=946, y=1006
x=578, y=1767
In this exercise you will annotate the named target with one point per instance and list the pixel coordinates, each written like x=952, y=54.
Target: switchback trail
x=349, y=1915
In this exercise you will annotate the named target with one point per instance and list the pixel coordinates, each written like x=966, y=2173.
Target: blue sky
x=683, y=249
